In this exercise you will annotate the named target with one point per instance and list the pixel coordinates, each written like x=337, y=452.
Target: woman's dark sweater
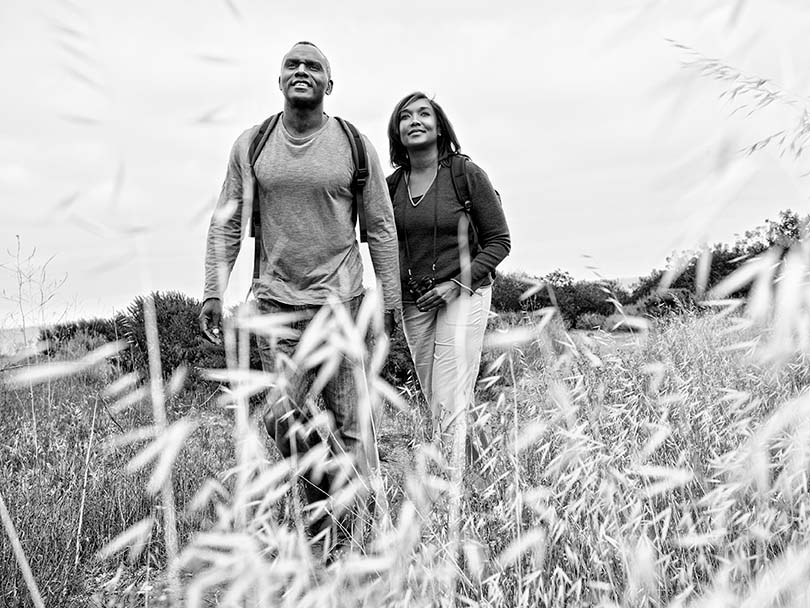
x=488, y=234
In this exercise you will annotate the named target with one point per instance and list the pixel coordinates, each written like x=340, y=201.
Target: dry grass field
x=667, y=468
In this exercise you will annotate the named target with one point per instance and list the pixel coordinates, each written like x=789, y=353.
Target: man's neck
x=423, y=160
x=301, y=122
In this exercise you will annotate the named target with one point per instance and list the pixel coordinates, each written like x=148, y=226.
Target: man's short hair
x=325, y=58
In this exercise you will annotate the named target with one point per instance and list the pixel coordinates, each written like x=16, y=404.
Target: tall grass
x=660, y=469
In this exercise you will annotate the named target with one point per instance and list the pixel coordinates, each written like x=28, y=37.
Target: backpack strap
x=360, y=175
x=359, y=179
x=461, y=183
x=393, y=182
x=255, y=149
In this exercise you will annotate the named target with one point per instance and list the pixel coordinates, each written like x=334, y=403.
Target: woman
x=448, y=251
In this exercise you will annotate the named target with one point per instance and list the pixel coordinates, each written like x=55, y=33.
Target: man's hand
x=389, y=322
x=438, y=296
x=211, y=320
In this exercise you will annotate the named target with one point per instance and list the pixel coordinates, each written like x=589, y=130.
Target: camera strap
x=435, y=228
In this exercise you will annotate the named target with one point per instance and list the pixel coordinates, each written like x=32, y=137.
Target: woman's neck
x=423, y=160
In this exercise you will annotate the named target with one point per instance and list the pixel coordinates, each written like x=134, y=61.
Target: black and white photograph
x=405, y=304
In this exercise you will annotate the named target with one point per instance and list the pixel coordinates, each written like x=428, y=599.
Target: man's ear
x=329, y=87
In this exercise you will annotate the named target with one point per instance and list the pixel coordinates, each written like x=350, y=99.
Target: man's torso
x=307, y=227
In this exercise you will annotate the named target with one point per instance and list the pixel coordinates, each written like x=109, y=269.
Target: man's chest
x=318, y=170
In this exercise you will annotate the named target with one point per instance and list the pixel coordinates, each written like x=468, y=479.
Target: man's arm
x=226, y=227
x=382, y=233
x=224, y=237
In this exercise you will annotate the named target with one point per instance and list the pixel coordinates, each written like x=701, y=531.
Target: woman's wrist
x=462, y=287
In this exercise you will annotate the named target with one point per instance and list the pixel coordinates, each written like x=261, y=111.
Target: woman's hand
x=438, y=296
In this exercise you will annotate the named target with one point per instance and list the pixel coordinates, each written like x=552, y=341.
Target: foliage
x=674, y=300
x=625, y=463
x=782, y=233
x=559, y=290
x=181, y=342
x=591, y=320
x=48, y=485
x=398, y=369
x=507, y=290
x=586, y=297
x=34, y=289
x=108, y=330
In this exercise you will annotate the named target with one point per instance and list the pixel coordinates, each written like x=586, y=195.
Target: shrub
x=572, y=298
x=674, y=300
x=789, y=229
x=107, y=330
x=591, y=320
x=398, y=369
x=506, y=292
x=181, y=342
x=585, y=297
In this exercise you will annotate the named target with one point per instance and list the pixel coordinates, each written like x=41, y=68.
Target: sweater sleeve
x=489, y=222
x=226, y=228
x=382, y=233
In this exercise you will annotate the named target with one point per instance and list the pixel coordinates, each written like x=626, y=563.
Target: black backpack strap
x=393, y=182
x=360, y=176
x=255, y=149
x=461, y=183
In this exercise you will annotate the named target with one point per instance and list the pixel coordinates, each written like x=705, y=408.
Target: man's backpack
x=359, y=178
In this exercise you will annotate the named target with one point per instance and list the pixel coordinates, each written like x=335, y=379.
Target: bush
x=587, y=297
x=783, y=233
x=107, y=330
x=591, y=320
x=181, y=343
x=76, y=338
x=506, y=292
x=572, y=298
x=667, y=302
x=398, y=369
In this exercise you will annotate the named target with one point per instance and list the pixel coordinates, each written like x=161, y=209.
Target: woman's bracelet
x=462, y=286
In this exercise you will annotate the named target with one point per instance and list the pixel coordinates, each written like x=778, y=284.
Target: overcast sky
x=117, y=119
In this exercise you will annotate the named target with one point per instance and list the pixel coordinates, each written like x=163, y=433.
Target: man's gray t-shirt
x=309, y=247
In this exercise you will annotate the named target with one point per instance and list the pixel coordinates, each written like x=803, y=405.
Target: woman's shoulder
x=473, y=169
x=463, y=169
x=394, y=178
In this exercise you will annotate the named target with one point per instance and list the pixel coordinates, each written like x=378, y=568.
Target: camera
x=419, y=287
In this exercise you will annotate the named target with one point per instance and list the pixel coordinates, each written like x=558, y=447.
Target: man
x=307, y=253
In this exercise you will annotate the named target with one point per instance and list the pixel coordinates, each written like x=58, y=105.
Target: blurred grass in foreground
x=661, y=469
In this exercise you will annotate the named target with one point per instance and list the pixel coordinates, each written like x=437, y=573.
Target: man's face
x=304, y=78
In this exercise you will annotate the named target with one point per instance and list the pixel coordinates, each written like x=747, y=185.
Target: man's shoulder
x=241, y=145
x=248, y=134
x=371, y=151
x=349, y=123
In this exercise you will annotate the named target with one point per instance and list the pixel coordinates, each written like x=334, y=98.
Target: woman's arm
x=487, y=216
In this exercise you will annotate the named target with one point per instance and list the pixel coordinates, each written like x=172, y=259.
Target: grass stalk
x=159, y=413
x=84, y=484
x=19, y=554
x=516, y=465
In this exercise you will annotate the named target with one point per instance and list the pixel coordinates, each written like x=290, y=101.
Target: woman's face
x=417, y=125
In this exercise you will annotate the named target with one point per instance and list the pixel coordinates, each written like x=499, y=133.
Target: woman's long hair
x=447, y=142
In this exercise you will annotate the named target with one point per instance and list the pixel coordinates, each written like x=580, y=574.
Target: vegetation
x=662, y=468
x=635, y=470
